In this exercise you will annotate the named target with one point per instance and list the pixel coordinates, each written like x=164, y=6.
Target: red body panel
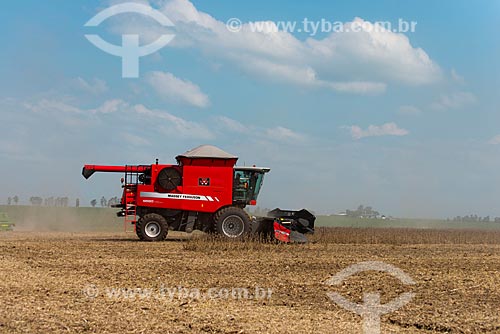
x=207, y=185
x=116, y=169
x=281, y=233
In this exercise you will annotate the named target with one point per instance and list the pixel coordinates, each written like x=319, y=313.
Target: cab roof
x=257, y=169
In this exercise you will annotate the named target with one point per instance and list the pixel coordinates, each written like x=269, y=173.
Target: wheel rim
x=233, y=226
x=152, y=229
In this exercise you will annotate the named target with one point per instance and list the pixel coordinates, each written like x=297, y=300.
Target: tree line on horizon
x=62, y=201
x=361, y=212
x=475, y=219
x=106, y=203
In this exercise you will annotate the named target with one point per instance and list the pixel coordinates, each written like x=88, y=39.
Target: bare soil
x=61, y=283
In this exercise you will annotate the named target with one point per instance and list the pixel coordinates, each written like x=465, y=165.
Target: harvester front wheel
x=232, y=222
x=152, y=227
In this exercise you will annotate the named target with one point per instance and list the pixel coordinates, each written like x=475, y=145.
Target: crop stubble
x=43, y=278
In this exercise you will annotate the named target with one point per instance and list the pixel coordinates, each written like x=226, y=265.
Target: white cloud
x=284, y=134
x=166, y=122
x=409, y=110
x=57, y=106
x=454, y=101
x=387, y=129
x=280, y=72
x=457, y=77
x=175, y=125
x=95, y=86
x=50, y=105
x=374, y=54
x=231, y=124
x=110, y=106
x=135, y=140
x=359, y=87
x=174, y=89
x=276, y=134
x=362, y=62
x=495, y=140
x=159, y=120
x=306, y=76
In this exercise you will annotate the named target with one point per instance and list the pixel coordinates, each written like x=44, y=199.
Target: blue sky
x=406, y=122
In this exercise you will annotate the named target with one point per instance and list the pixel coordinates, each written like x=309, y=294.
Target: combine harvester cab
x=203, y=191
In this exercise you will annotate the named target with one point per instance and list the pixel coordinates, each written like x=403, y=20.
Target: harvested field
x=111, y=283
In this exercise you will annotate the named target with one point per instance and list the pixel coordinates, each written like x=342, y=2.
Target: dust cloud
x=57, y=219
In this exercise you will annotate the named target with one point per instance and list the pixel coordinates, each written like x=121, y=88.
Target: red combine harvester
x=204, y=191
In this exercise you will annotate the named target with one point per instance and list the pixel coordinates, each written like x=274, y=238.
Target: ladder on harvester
x=130, y=193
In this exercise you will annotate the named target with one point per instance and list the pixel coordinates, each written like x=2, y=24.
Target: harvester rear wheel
x=152, y=227
x=232, y=222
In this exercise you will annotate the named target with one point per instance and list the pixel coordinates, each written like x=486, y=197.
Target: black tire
x=232, y=222
x=152, y=227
